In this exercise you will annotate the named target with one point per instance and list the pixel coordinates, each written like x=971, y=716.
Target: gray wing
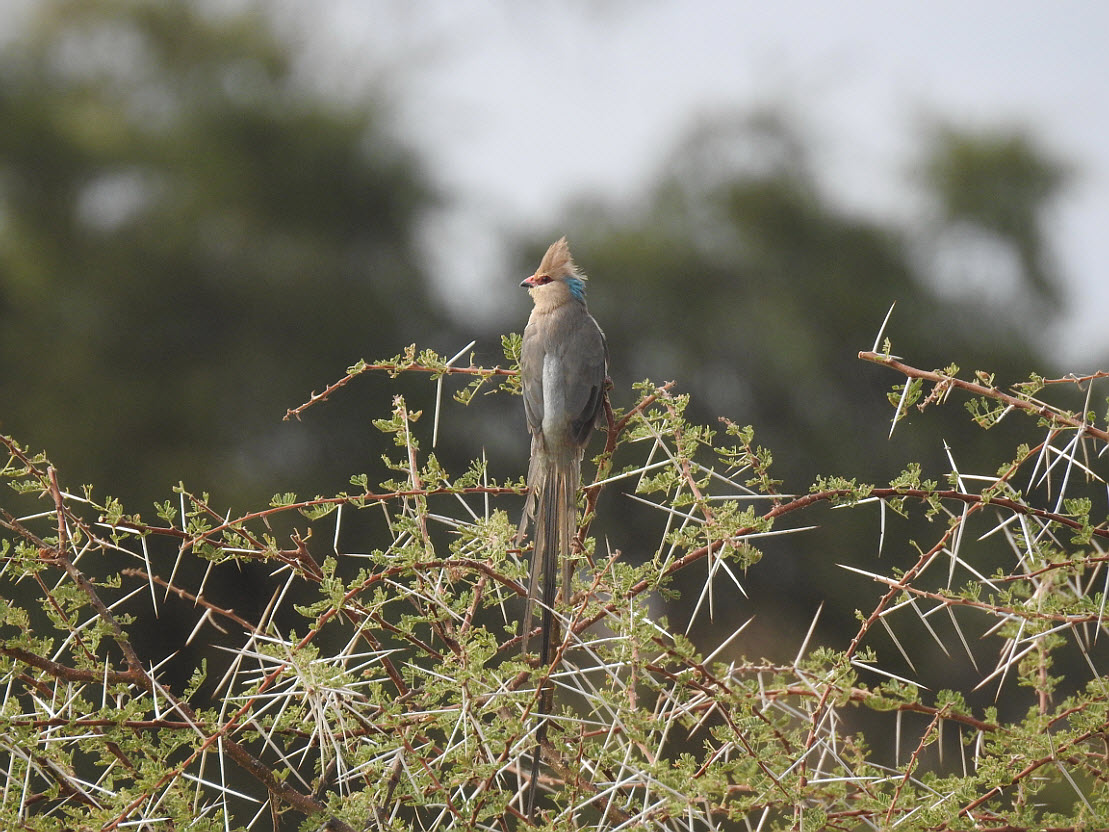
x=586, y=362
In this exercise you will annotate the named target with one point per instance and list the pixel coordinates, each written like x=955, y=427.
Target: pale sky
x=521, y=106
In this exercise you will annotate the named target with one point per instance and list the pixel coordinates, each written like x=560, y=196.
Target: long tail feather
x=552, y=496
x=552, y=501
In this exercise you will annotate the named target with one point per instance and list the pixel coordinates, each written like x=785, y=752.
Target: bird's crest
x=558, y=262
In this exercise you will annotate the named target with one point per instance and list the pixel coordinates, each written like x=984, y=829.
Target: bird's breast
x=555, y=416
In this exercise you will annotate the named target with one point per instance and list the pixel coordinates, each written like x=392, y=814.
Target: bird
x=563, y=373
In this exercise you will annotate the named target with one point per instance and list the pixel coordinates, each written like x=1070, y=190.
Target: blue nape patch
x=577, y=287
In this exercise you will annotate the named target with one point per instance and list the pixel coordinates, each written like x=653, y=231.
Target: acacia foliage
x=383, y=689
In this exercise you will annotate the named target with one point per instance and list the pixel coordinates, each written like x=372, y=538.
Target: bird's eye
x=543, y=280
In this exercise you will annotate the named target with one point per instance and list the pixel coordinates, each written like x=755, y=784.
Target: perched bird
x=563, y=367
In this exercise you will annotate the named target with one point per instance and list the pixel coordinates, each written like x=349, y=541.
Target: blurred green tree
x=191, y=239
x=995, y=187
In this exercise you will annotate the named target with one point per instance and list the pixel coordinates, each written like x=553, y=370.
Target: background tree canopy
x=192, y=239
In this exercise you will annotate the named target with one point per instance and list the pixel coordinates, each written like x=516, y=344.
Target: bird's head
x=557, y=280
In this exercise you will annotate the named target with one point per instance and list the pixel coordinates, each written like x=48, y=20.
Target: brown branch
x=615, y=429
x=979, y=500
x=133, y=572
x=89, y=591
x=1035, y=408
x=394, y=369
x=1017, y=612
x=1071, y=378
x=914, y=758
x=73, y=674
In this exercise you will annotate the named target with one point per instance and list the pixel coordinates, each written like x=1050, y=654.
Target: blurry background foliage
x=193, y=238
